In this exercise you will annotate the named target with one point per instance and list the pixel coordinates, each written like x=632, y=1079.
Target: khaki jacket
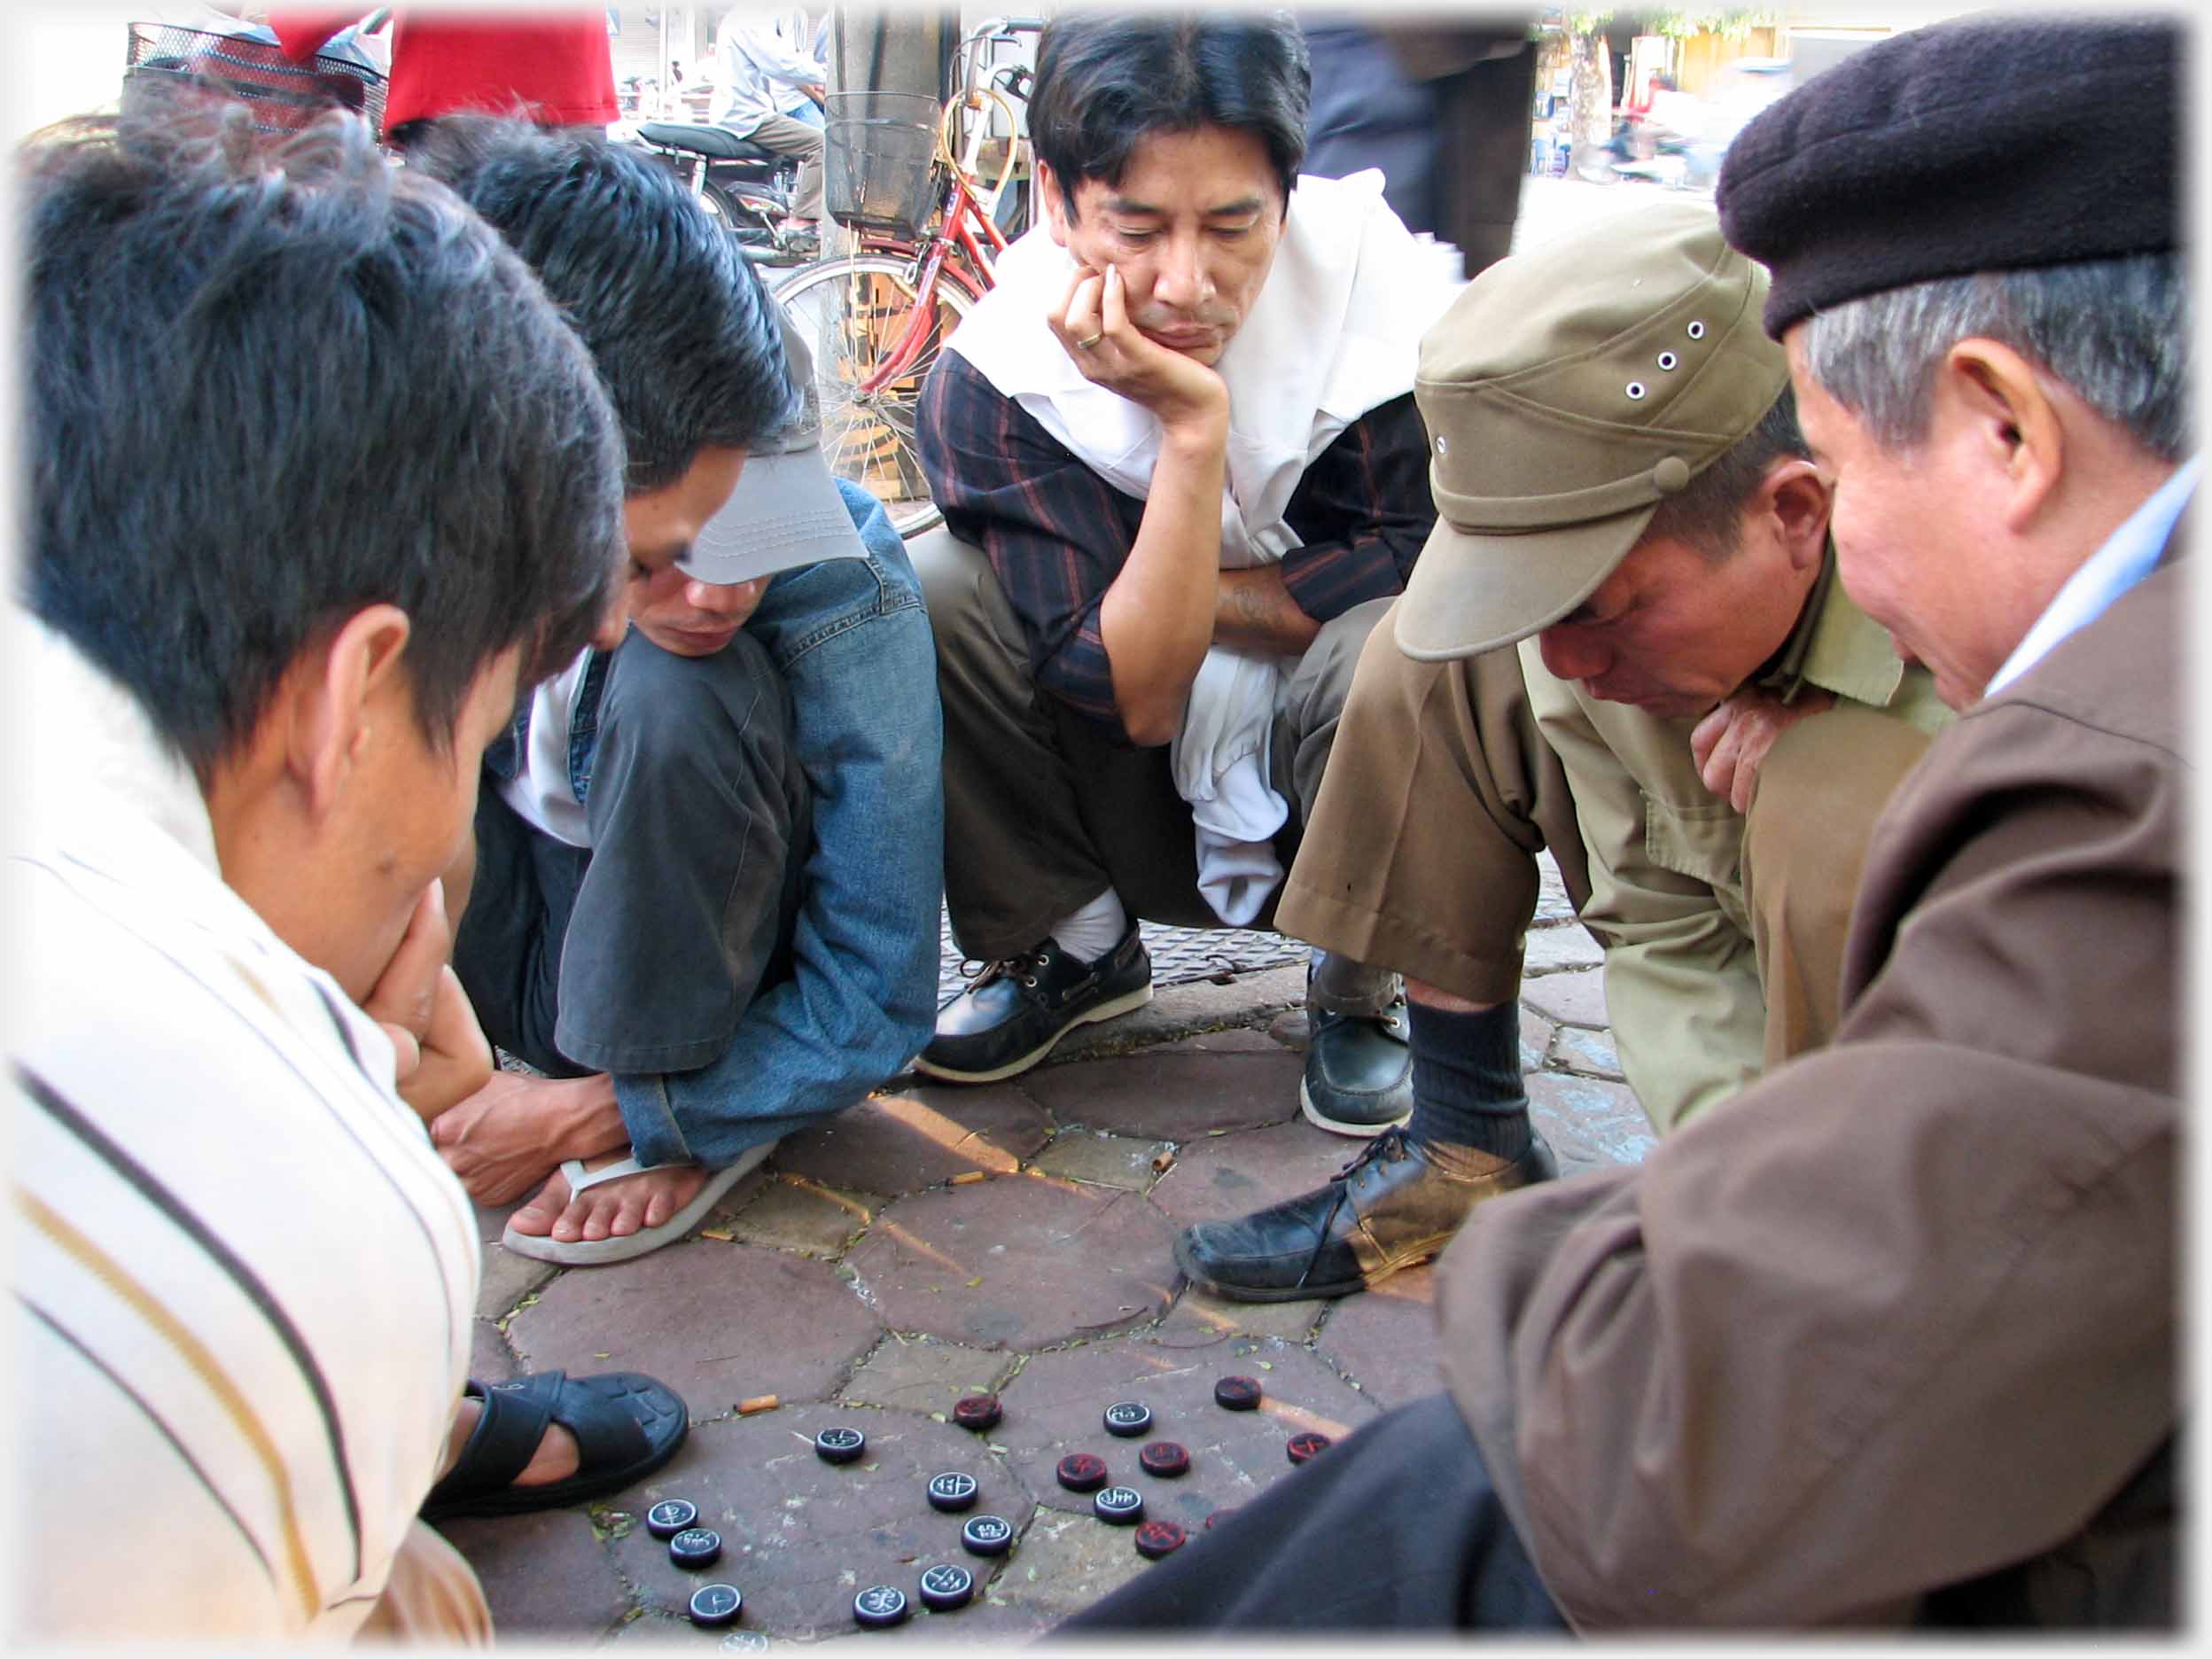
x=1689, y=973
x=1889, y=1336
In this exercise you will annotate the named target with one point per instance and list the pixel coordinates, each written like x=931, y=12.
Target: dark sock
x=1467, y=1096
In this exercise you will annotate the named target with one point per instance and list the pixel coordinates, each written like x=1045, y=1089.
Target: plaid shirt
x=1056, y=533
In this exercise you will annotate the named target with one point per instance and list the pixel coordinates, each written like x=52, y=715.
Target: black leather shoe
x=1389, y=1208
x=1014, y=1011
x=1358, y=1071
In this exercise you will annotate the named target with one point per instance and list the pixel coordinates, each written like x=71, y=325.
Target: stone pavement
x=938, y=1241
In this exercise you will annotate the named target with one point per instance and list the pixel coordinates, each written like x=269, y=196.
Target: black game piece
x=1164, y=1459
x=1304, y=1446
x=670, y=1516
x=695, y=1547
x=1121, y=1505
x=716, y=1604
x=951, y=1492
x=977, y=1412
x=1237, y=1393
x=1128, y=1419
x=1155, y=1538
x=1082, y=1471
x=986, y=1535
x=879, y=1606
x=946, y=1588
x=840, y=1445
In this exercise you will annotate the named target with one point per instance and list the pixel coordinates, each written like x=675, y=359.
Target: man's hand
x=1732, y=739
x=1092, y=326
x=441, y=1055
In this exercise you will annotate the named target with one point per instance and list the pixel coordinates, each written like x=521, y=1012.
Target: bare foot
x=557, y=1457
x=514, y=1132
x=614, y=1208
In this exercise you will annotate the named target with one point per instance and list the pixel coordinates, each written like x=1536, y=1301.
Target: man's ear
x=1797, y=499
x=334, y=704
x=1045, y=189
x=1990, y=400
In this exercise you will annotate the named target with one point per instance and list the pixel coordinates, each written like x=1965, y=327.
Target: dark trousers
x=1046, y=809
x=640, y=955
x=1396, y=1528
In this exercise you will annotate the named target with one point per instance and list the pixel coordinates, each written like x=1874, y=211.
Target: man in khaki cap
x=1697, y=723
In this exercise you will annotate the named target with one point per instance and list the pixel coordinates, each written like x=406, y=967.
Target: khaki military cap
x=1567, y=392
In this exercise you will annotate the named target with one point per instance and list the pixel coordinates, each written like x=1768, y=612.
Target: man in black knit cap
x=1888, y=1339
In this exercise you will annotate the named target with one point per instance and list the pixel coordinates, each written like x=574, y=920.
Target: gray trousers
x=640, y=955
x=1046, y=808
x=787, y=135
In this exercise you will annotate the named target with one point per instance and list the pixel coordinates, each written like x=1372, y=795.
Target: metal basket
x=282, y=96
x=877, y=155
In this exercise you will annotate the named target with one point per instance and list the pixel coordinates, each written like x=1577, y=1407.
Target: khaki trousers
x=1046, y=809
x=1420, y=855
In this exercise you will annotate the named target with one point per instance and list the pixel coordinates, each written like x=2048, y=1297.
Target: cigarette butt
x=970, y=1175
x=1163, y=1164
x=758, y=1402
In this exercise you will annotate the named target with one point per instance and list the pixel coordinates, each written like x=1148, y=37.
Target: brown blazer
x=1890, y=1337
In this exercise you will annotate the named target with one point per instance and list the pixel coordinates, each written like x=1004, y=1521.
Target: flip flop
x=596, y=1252
x=625, y=1427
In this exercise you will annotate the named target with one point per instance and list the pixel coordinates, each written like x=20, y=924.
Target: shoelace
x=1024, y=967
x=1391, y=1144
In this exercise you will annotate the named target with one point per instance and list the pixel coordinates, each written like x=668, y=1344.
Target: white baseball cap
x=786, y=510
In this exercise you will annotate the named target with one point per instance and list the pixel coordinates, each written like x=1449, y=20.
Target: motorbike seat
x=716, y=143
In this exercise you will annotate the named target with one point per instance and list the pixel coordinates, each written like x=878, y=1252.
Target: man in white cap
x=707, y=863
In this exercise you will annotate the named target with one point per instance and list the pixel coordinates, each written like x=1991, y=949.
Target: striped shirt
x=243, y=1278
x=1057, y=534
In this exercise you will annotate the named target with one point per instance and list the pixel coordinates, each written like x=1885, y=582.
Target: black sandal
x=625, y=1427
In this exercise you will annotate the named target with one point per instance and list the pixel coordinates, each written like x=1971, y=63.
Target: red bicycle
x=876, y=318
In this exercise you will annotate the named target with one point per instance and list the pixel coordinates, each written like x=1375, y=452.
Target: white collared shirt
x=2125, y=559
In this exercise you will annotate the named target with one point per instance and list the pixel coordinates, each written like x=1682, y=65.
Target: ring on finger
x=1086, y=345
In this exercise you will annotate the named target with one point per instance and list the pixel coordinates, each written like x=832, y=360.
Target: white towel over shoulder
x=1336, y=332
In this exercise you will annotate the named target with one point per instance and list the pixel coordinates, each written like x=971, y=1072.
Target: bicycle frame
x=958, y=216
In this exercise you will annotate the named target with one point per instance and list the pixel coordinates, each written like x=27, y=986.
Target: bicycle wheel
x=855, y=315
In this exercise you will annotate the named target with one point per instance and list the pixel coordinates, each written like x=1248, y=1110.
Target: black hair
x=270, y=382
x=1708, y=514
x=684, y=335
x=1106, y=81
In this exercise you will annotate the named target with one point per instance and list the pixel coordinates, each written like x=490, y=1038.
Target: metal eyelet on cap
x=1635, y=390
x=1667, y=360
x=1697, y=330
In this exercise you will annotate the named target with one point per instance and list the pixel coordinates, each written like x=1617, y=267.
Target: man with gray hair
x=1888, y=1339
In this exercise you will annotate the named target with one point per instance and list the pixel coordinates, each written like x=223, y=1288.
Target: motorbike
x=745, y=187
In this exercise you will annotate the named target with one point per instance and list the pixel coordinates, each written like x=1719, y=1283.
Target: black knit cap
x=1985, y=143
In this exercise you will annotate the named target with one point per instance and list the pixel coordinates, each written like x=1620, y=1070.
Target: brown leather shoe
x=1389, y=1208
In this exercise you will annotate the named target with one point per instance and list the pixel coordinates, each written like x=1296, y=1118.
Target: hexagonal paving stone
x=1536, y=1040
x=921, y=1373
x=801, y=1536
x=1591, y=1125
x=1198, y=1320
x=1221, y=1177
x=1568, y=999
x=1549, y=949
x=545, y=1574
x=1015, y=1262
x=1055, y=1407
x=1101, y=1160
x=1385, y=1339
x=794, y=1213
x=905, y=1142
x=490, y=1359
x=1590, y=1052
x=716, y=1322
x=1066, y=1562
x=508, y=1279
x=1230, y=1079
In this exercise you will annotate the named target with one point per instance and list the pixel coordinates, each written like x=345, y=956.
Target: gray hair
x=2116, y=332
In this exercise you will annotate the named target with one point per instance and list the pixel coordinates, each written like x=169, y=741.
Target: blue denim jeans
x=834, y=973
